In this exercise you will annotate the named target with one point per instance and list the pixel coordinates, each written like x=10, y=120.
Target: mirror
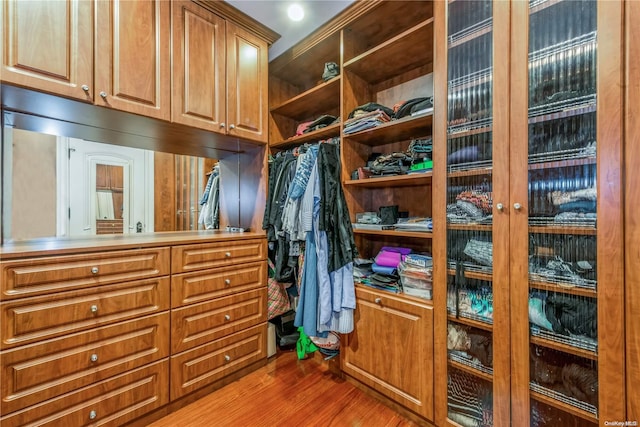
x=57, y=186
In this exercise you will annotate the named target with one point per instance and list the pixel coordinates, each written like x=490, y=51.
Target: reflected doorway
x=109, y=199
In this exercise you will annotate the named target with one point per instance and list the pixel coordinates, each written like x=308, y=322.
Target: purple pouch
x=390, y=256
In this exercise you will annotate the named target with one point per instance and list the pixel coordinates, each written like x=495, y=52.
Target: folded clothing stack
x=365, y=120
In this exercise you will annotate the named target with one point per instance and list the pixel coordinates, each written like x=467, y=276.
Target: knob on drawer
x=94, y=270
x=227, y=357
x=227, y=254
x=227, y=281
x=94, y=308
x=378, y=300
x=93, y=415
x=94, y=357
x=227, y=317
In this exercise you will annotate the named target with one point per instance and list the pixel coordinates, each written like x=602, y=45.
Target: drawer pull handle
x=94, y=357
x=227, y=357
x=227, y=254
x=94, y=308
x=378, y=300
x=85, y=88
x=94, y=270
x=93, y=415
x=227, y=281
x=227, y=317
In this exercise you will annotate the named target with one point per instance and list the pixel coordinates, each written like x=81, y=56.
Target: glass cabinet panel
x=562, y=177
x=469, y=213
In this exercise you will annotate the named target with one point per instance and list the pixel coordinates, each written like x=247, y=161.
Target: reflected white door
x=137, y=192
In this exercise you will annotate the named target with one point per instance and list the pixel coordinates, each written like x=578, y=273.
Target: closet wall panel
x=632, y=219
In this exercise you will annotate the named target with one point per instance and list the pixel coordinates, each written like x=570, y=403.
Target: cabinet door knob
x=95, y=270
x=103, y=95
x=500, y=207
x=517, y=206
x=222, y=125
x=378, y=300
x=227, y=357
x=227, y=281
x=227, y=317
x=85, y=88
x=227, y=254
x=94, y=308
x=93, y=415
x=232, y=126
x=94, y=357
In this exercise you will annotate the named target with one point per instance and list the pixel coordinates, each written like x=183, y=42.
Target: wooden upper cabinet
x=132, y=60
x=247, y=81
x=48, y=45
x=199, y=61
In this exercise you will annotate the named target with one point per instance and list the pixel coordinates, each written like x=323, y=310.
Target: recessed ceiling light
x=295, y=12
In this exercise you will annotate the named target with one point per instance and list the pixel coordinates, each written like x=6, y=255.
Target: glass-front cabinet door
x=477, y=368
x=565, y=231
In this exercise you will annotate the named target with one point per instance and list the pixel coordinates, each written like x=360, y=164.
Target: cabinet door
x=390, y=349
x=247, y=80
x=566, y=238
x=48, y=45
x=477, y=237
x=132, y=57
x=199, y=92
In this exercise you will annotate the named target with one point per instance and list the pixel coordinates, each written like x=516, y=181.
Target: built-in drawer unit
x=189, y=288
x=211, y=362
x=36, y=372
x=111, y=402
x=201, y=256
x=198, y=324
x=39, y=276
x=27, y=320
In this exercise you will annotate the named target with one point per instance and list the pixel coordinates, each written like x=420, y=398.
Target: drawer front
x=34, y=319
x=201, y=323
x=38, y=276
x=112, y=402
x=219, y=254
x=189, y=288
x=34, y=373
x=209, y=363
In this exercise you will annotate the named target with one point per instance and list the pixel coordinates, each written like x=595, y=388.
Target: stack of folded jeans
x=363, y=120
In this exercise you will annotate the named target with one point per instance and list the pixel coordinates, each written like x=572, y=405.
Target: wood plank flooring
x=287, y=392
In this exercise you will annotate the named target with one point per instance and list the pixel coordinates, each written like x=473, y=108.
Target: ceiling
x=273, y=14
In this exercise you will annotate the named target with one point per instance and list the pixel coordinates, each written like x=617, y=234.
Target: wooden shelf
x=470, y=370
x=470, y=172
x=559, y=229
x=473, y=275
x=315, y=136
x=470, y=322
x=565, y=289
x=470, y=227
x=469, y=132
x=565, y=348
x=588, y=108
x=543, y=5
x=474, y=35
x=319, y=99
x=416, y=179
x=395, y=233
x=406, y=51
x=563, y=163
x=581, y=413
x=395, y=130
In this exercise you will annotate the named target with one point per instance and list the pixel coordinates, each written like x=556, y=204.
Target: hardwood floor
x=287, y=392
